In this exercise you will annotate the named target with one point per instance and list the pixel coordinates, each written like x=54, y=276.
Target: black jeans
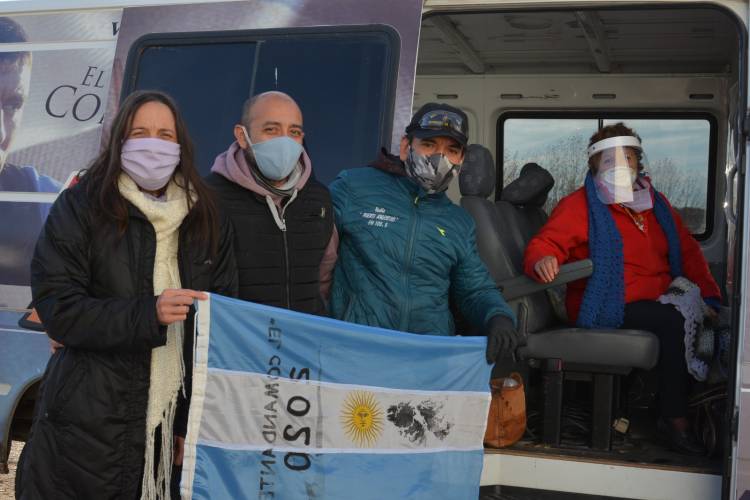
x=667, y=323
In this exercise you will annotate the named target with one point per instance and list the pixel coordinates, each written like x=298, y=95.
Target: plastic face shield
x=617, y=161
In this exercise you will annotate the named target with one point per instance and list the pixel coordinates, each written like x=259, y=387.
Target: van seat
x=504, y=228
x=607, y=348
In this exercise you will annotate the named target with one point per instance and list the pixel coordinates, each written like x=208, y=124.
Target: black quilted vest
x=278, y=268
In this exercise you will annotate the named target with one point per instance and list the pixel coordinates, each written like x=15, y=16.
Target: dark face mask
x=434, y=172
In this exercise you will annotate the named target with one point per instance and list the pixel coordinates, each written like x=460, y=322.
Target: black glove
x=502, y=338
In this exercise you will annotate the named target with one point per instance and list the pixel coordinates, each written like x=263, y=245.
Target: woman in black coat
x=115, y=272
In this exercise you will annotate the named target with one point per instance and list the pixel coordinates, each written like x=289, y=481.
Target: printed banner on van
x=55, y=71
x=289, y=405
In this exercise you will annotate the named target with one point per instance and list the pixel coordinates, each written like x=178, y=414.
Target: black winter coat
x=94, y=293
x=278, y=268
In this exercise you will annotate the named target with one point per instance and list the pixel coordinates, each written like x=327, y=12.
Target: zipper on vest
x=287, y=278
x=404, y=323
x=286, y=266
x=281, y=224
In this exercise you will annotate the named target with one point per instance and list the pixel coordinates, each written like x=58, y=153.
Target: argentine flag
x=289, y=406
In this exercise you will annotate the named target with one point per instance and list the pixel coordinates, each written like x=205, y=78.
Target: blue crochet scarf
x=603, y=303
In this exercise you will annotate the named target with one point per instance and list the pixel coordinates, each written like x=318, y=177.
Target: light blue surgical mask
x=275, y=158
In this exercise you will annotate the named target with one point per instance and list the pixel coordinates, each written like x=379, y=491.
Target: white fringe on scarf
x=167, y=364
x=686, y=297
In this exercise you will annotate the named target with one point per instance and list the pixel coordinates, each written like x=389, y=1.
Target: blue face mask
x=275, y=158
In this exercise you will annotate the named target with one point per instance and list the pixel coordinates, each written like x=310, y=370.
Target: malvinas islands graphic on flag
x=288, y=405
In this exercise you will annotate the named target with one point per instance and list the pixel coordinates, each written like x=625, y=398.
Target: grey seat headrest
x=530, y=188
x=477, y=176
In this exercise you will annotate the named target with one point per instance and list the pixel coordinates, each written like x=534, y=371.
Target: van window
x=343, y=79
x=678, y=150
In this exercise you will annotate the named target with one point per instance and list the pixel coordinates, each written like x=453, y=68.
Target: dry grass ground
x=7, y=480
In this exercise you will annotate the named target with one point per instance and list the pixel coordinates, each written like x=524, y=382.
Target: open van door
x=737, y=485
x=536, y=81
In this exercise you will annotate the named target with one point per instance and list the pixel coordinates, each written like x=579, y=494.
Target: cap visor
x=425, y=134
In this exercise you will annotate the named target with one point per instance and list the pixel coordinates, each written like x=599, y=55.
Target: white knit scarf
x=685, y=296
x=167, y=366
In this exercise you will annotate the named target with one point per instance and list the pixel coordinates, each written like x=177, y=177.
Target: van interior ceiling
x=675, y=67
x=645, y=60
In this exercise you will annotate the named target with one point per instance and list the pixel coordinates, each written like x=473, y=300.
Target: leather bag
x=506, y=422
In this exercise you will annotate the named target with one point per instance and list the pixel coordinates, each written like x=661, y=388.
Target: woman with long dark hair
x=114, y=275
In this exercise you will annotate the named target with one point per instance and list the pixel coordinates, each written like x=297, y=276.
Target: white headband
x=622, y=140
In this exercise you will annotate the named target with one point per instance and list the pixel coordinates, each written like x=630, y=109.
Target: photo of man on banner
x=17, y=240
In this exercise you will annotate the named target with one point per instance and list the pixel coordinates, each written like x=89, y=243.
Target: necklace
x=637, y=218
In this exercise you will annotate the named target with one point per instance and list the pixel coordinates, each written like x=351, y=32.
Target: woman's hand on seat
x=547, y=268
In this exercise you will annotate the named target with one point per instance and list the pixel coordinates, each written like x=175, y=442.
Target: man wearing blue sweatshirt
x=406, y=250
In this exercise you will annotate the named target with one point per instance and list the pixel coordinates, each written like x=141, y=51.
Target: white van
x=536, y=80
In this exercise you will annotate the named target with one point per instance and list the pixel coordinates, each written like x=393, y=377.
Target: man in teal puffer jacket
x=405, y=249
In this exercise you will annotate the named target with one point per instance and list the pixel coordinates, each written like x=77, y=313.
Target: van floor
x=639, y=446
x=515, y=493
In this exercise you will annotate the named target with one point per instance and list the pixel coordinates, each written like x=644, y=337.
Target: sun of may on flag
x=288, y=405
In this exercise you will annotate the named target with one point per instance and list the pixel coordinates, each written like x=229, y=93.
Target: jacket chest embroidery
x=378, y=217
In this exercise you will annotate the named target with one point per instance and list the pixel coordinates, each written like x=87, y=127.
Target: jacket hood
x=389, y=163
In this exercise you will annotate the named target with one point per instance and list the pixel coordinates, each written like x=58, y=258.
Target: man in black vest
x=285, y=239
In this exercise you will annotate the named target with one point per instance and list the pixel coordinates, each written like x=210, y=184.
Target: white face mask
x=616, y=161
x=615, y=185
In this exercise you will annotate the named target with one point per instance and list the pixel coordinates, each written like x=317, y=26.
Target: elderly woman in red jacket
x=639, y=247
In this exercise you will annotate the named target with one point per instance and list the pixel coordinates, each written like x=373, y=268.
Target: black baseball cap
x=439, y=120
